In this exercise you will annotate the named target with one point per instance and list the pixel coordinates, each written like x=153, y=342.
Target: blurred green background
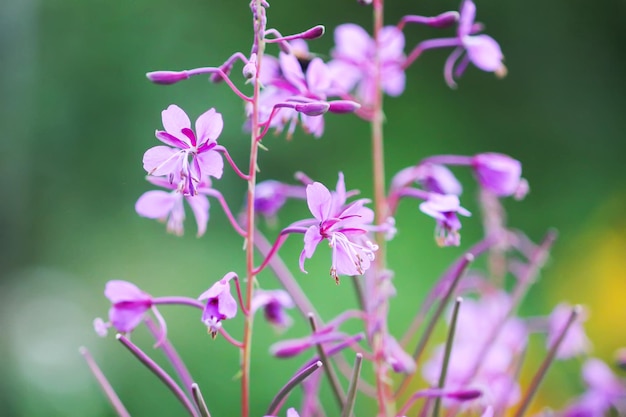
x=77, y=114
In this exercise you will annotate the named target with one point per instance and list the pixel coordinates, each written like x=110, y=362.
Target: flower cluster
x=475, y=369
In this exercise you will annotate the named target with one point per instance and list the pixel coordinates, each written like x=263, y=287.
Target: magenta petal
x=228, y=305
x=313, y=125
x=292, y=71
x=312, y=238
x=175, y=120
x=211, y=163
x=353, y=42
x=118, y=291
x=200, y=206
x=392, y=40
x=394, y=80
x=319, y=200
x=466, y=19
x=155, y=204
x=484, y=52
x=127, y=318
x=161, y=160
x=344, y=76
x=209, y=126
x=318, y=76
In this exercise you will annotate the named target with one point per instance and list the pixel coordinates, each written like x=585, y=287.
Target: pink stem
x=220, y=148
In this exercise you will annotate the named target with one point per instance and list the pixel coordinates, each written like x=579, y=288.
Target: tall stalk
x=258, y=49
x=386, y=407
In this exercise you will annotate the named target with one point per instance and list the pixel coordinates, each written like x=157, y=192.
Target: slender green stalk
x=354, y=384
x=340, y=397
x=541, y=372
x=199, y=400
x=448, y=351
x=290, y=385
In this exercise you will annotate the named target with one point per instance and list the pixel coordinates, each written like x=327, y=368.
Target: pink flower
x=168, y=206
x=287, y=81
x=444, y=209
x=128, y=307
x=190, y=156
x=220, y=304
x=273, y=304
x=353, y=61
x=345, y=228
x=498, y=173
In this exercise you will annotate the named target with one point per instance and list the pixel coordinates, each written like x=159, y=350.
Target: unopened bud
x=313, y=109
x=444, y=20
x=249, y=70
x=313, y=33
x=364, y=2
x=343, y=106
x=167, y=77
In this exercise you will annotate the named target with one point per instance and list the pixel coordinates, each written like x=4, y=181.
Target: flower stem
x=199, y=400
x=448, y=351
x=259, y=23
x=352, y=389
x=290, y=385
x=160, y=373
x=104, y=384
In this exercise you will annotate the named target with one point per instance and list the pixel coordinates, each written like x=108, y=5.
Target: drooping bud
x=167, y=77
x=249, y=70
x=313, y=33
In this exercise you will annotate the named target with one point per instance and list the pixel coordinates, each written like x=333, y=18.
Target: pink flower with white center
x=220, y=304
x=190, y=156
x=168, y=206
x=345, y=228
x=444, y=209
x=353, y=61
x=575, y=341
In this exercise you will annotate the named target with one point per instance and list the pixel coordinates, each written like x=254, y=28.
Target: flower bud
x=167, y=77
x=313, y=33
x=249, y=70
x=343, y=106
x=312, y=109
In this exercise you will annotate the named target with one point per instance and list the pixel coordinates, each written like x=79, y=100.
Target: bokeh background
x=77, y=113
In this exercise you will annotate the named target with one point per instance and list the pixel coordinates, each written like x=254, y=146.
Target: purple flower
x=345, y=228
x=128, y=306
x=434, y=178
x=575, y=341
x=498, y=173
x=220, y=304
x=604, y=391
x=190, y=156
x=270, y=196
x=168, y=206
x=353, y=61
x=273, y=304
x=444, y=209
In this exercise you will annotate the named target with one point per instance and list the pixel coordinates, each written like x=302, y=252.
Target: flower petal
x=127, y=318
x=392, y=42
x=318, y=76
x=155, y=204
x=161, y=160
x=175, y=120
x=118, y=291
x=466, y=18
x=209, y=126
x=352, y=43
x=319, y=200
x=484, y=52
x=211, y=163
x=292, y=71
x=200, y=206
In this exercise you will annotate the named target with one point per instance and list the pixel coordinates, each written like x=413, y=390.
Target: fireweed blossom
x=220, y=304
x=288, y=82
x=128, y=307
x=353, y=62
x=345, y=228
x=481, y=50
x=168, y=206
x=444, y=209
x=273, y=303
x=190, y=156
